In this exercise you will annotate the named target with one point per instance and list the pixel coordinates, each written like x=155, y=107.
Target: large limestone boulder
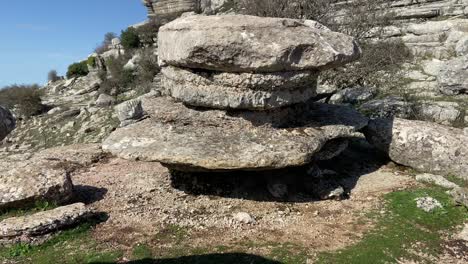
x=7, y=122
x=424, y=146
x=238, y=43
x=255, y=91
x=186, y=139
x=29, y=227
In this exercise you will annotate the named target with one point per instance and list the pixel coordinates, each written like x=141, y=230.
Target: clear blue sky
x=39, y=35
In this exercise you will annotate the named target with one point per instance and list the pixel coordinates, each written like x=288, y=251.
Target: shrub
x=148, y=32
x=130, y=39
x=52, y=76
x=91, y=61
x=25, y=99
x=104, y=46
x=120, y=78
x=78, y=69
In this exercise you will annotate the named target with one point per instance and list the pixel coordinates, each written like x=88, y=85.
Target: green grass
x=73, y=246
x=403, y=226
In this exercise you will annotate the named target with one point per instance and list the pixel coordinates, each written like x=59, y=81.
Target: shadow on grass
x=228, y=258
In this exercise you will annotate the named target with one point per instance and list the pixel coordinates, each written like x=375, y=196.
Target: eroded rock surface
x=237, y=43
x=26, y=228
x=424, y=146
x=191, y=140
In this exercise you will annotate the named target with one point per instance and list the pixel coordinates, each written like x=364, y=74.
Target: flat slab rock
x=239, y=43
x=24, y=182
x=26, y=228
x=187, y=139
x=254, y=91
x=424, y=146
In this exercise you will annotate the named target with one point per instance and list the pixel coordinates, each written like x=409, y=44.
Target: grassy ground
x=402, y=232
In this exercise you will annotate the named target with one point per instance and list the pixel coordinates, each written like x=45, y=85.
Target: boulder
x=354, y=95
x=7, y=122
x=453, y=76
x=186, y=139
x=391, y=106
x=424, y=146
x=22, y=183
x=238, y=43
x=105, y=100
x=27, y=228
x=239, y=90
x=437, y=180
x=129, y=112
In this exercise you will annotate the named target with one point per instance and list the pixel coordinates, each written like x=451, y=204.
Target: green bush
x=78, y=69
x=91, y=61
x=148, y=32
x=25, y=99
x=130, y=39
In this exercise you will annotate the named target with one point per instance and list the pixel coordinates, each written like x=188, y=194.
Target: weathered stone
x=27, y=228
x=424, y=146
x=462, y=46
x=239, y=90
x=332, y=149
x=7, y=122
x=437, y=180
x=445, y=113
x=428, y=204
x=24, y=182
x=460, y=196
x=105, y=100
x=190, y=140
x=391, y=106
x=129, y=112
x=236, y=43
x=353, y=95
x=244, y=218
x=453, y=76
x=78, y=154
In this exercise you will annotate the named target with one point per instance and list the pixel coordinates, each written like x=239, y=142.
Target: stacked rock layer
x=241, y=92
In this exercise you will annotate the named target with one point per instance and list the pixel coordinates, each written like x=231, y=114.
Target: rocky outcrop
x=424, y=146
x=129, y=112
x=30, y=227
x=261, y=90
x=236, y=43
x=7, y=122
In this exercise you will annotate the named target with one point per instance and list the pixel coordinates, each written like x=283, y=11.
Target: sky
x=37, y=36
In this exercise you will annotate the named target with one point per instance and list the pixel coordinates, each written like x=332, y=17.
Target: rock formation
x=261, y=88
x=421, y=145
x=7, y=122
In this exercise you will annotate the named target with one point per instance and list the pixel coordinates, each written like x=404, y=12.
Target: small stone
x=336, y=194
x=463, y=235
x=244, y=218
x=460, y=196
x=428, y=204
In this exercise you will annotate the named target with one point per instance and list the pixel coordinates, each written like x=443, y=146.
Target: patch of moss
x=404, y=231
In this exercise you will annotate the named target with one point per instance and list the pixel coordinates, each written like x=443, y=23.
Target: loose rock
x=428, y=204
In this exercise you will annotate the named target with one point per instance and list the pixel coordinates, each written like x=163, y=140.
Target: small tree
x=130, y=39
x=104, y=46
x=25, y=99
x=52, y=76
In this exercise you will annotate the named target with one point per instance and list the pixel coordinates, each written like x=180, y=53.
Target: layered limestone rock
x=254, y=77
x=237, y=43
x=7, y=122
x=425, y=146
x=188, y=139
x=27, y=228
x=239, y=90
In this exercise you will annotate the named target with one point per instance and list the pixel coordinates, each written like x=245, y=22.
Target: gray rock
x=460, y=196
x=437, y=180
x=462, y=46
x=354, y=95
x=428, y=204
x=105, y=100
x=27, y=228
x=424, y=146
x=24, y=182
x=244, y=218
x=129, y=112
x=7, y=122
x=336, y=194
x=445, y=113
x=189, y=140
x=332, y=149
x=463, y=235
x=237, y=43
x=452, y=79
x=255, y=91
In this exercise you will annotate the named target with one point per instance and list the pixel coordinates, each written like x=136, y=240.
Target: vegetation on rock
x=78, y=69
x=25, y=100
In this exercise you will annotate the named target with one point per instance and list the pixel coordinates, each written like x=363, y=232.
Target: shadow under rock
x=295, y=184
x=227, y=258
x=88, y=194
